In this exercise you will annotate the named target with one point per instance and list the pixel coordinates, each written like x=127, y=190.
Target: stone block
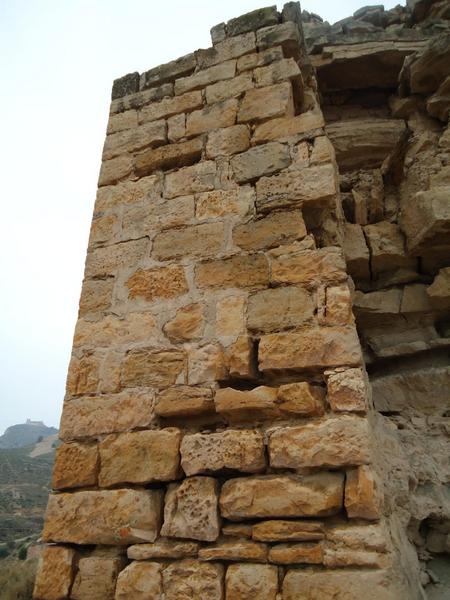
x=190, y=180
x=113, y=331
x=275, y=229
x=193, y=580
x=128, y=193
x=338, y=306
x=439, y=290
x=223, y=142
x=267, y=103
x=429, y=69
x=230, y=88
x=256, y=404
x=356, y=251
x=131, y=140
x=107, y=517
x=333, y=442
x=251, y=21
x=184, y=401
x=273, y=496
x=222, y=203
x=314, y=348
x=285, y=34
x=240, y=450
x=76, y=465
x=96, y=295
x=362, y=494
x=296, y=554
x=259, y=59
x=235, y=550
x=140, y=457
x=204, y=77
x=230, y=316
x=259, y=161
x=206, y=239
x=153, y=368
x=206, y=364
x=241, y=358
x=171, y=106
x=191, y=509
x=140, y=581
x=384, y=302
x=288, y=531
x=237, y=530
x=128, y=84
x=96, y=578
x=168, y=71
x=241, y=271
x=279, y=308
x=171, y=156
x=214, y=116
x=301, y=399
x=282, y=70
x=139, y=99
x=387, y=247
x=122, y=121
x=176, y=127
x=346, y=390
x=158, y=282
x=88, y=417
x=251, y=582
x=288, y=127
x=103, y=262
x=187, y=324
x=228, y=49
x=84, y=375
x=55, y=573
x=163, y=548
x=115, y=169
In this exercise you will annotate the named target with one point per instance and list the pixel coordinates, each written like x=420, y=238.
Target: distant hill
x=25, y=434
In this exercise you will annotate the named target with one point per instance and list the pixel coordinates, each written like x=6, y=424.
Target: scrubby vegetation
x=17, y=578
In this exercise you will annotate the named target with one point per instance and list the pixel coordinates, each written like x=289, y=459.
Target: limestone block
x=163, y=548
x=333, y=442
x=230, y=88
x=285, y=34
x=229, y=48
x=242, y=271
x=55, y=573
x=279, y=308
x=187, y=324
x=115, y=169
x=203, y=240
x=439, y=290
x=286, y=127
x=322, y=151
x=221, y=203
x=190, y=180
x=384, y=302
x=346, y=390
x=83, y=375
x=237, y=530
x=235, y=550
x=128, y=193
x=338, y=306
x=206, y=364
x=140, y=457
x=230, y=140
x=296, y=554
x=415, y=299
x=251, y=582
x=273, y=496
x=222, y=114
x=159, y=282
x=105, y=261
x=139, y=99
x=171, y=106
x=230, y=316
x=356, y=251
x=285, y=69
x=430, y=67
x=76, y=465
x=121, y=121
x=113, y=331
x=387, y=247
x=131, y=140
x=307, y=267
x=259, y=161
x=438, y=105
x=301, y=399
x=267, y=103
x=288, y=531
x=184, y=401
x=262, y=17
x=193, y=580
x=259, y=403
x=240, y=450
x=96, y=578
x=293, y=188
x=344, y=557
x=362, y=494
x=176, y=127
x=205, y=77
x=241, y=358
x=191, y=509
x=273, y=230
x=168, y=71
x=171, y=156
x=108, y=517
x=259, y=59
x=140, y=581
x=155, y=214
x=97, y=415
x=313, y=348
x=153, y=368
x=96, y=295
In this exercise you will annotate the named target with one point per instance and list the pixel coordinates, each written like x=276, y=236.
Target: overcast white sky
x=59, y=58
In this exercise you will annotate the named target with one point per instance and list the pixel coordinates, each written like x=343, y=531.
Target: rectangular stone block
x=55, y=573
x=172, y=156
x=314, y=348
x=108, y=517
x=333, y=442
x=259, y=59
x=239, y=450
x=140, y=581
x=159, y=282
x=267, y=103
x=97, y=415
x=229, y=48
x=112, y=331
x=362, y=494
x=190, y=180
x=168, y=71
x=140, y=457
x=252, y=582
x=105, y=261
x=279, y=308
x=155, y=214
x=251, y=21
x=296, y=554
x=115, y=169
x=309, y=268
x=301, y=399
x=274, y=230
x=132, y=140
x=223, y=142
x=153, y=368
x=222, y=203
x=139, y=99
x=239, y=405
x=346, y=390
x=176, y=127
x=76, y=465
x=286, y=127
x=235, y=550
x=282, y=70
x=122, y=121
x=205, y=77
x=272, y=496
x=206, y=239
x=171, y=106
x=222, y=114
x=230, y=88
x=96, y=578
x=191, y=580
x=235, y=272
x=288, y=531
x=259, y=161
x=184, y=401
x=163, y=548
x=284, y=34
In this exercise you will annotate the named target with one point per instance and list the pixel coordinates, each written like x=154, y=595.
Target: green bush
x=22, y=554
x=4, y=552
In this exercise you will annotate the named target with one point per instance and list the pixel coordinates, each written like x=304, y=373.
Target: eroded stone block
x=55, y=573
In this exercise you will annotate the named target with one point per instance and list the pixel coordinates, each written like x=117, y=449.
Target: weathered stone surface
x=239, y=450
x=293, y=265
x=115, y=169
x=76, y=465
x=259, y=59
x=286, y=69
x=230, y=316
x=285, y=127
x=439, y=290
x=140, y=457
x=140, y=581
x=229, y=88
x=131, y=140
x=262, y=17
x=285, y=34
x=235, y=550
x=186, y=325
x=247, y=405
x=163, y=548
x=251, y=582
x=438, y=105
x=55, y=573
x=242, y=271
x=137, y=100
x=282, y=496
x=167, y=157
x=205, y=77
x=279, y=308
x=193, y=580
x=153, y=368
x=96, y=295
x=313, y=348
x=109, y=517
x=176, y=127
x=171, y=106
x=288, y=531
x=190, y=180
x=241, y=358
x=96, y=578
x=91, y=416
x=159, y=282
x=191, y=509
x=301, y=399
x=356, y=251
x=222, y=114
x=387, y=246
x=222, y=203
x=266, y=103
x=201, y=240
x=103, y=262
x=274, y=230
x=113, y=331
x=184, y=401
x=333, y=442
x=128, y=84
x=230, y=140
x=385, y=302
x=338, y=306
x=362, y=496
x=206, y=364
x=294, y=554
x=346, y=390
x=259, y=161
x=168, y=71
x=293, y=188
x=229, y=48
x=237, y=530
x=430, y=68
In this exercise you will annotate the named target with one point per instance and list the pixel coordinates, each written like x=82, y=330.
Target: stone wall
x=219, y=435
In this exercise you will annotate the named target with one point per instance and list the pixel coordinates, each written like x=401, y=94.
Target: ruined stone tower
x=220, y=436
